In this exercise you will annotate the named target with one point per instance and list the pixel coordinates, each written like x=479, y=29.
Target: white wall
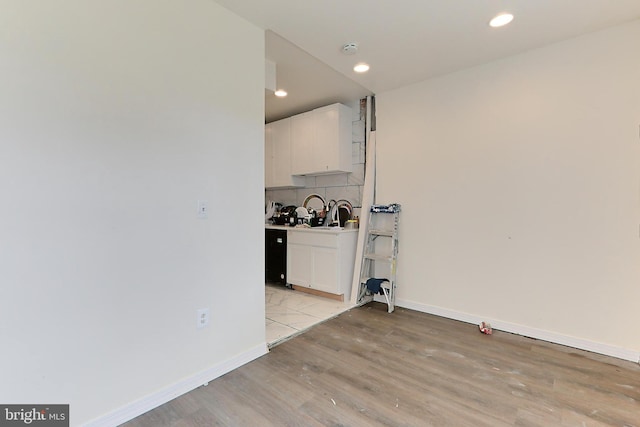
x=115, y=118
x=519, y=182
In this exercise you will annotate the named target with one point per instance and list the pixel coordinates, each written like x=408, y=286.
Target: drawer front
x=313, y=239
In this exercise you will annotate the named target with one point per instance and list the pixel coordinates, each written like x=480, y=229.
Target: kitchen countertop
x=330, y=230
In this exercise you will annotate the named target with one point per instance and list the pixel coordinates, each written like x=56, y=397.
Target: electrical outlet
x=203, y=209
x=203, y=318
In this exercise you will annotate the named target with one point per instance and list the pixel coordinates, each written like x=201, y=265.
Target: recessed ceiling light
x=500, y=20
x=280, y=93
x=361, y=68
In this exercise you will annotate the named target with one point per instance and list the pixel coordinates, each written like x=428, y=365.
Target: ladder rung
x=378, y=257
x=375, y=232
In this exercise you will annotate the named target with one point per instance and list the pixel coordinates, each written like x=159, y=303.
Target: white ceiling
x=309, y=82
x=406, y=41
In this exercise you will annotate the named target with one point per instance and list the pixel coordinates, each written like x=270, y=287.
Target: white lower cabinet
x=322, y=261
x=326, y=268
x=298, y=264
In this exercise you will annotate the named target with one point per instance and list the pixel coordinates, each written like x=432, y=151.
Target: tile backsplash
x=346, y=186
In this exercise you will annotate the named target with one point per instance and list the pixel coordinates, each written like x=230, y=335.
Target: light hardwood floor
x=370, y=368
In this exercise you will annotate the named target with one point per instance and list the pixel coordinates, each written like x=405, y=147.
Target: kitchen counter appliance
x=286, y=216
x=275, y=256
x=317, y=211
x=339, y=212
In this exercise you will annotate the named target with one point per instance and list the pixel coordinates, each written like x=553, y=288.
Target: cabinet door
x=302, y=142
x=268, y=156
x=299, y=264
x=325, y=269
x=327, y=142
x=281, y=139
x=278, y=156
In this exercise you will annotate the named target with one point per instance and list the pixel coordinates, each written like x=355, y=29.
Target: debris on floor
x=485, y=328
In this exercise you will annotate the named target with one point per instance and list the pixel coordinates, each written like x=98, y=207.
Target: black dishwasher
x=275, y=249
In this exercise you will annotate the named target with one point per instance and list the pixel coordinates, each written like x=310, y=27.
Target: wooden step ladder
x=377, y=252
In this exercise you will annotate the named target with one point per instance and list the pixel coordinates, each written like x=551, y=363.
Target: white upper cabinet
x=277, y=155
x=321, y=141
x=302, y=134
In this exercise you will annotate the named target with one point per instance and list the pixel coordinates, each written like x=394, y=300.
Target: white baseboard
x=554, y=337
x=139, y=407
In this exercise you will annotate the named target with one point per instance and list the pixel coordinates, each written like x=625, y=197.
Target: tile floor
x=290, y=312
